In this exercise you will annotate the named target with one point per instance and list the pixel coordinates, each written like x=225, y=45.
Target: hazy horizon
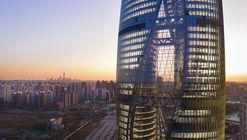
x=43, y=39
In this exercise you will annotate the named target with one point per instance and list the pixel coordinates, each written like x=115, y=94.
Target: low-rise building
x=55, y=123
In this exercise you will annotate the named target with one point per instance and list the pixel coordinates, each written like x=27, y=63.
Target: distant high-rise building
x=19, y=99
x=88, y=92
x=100, y=94
x=49, y=97
x=243, y=120
x=43, y=97
x=67, y=99
x=5, y=92
x=171, y=49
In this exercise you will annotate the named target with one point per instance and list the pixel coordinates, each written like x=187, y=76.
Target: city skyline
x=42, y=39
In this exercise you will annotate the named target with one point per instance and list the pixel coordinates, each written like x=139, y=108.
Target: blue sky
x=44, y=38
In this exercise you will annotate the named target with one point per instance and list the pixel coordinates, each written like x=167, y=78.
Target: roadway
x=233, y=122
x=105, y=129
x=78, y=129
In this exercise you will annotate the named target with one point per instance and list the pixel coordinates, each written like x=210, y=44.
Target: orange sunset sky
x=43, y=39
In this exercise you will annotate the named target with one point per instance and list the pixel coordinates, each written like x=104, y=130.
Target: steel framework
x=167, y=85
x=168, y=95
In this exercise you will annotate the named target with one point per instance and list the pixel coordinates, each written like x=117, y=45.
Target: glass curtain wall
x=171, y=48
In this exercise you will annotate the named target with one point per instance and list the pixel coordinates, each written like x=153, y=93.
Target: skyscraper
x=171, y=52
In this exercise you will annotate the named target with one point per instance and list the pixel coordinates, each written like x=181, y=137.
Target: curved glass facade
x=171, y=48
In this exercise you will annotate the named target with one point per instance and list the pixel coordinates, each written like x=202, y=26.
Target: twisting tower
x=171, y=70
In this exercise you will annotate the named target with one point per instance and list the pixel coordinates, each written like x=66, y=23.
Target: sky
x=40, y=39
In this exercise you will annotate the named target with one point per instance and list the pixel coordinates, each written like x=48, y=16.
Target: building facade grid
x=168, y=47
